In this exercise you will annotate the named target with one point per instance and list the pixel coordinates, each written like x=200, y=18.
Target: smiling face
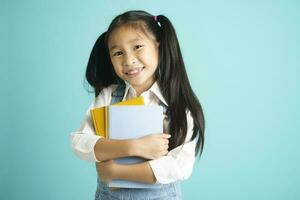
x=134, y=57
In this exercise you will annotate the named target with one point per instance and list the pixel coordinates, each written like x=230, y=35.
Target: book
x=98, y=114
x=129, y=122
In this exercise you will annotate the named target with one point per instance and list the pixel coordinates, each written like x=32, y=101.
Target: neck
x=139, y=89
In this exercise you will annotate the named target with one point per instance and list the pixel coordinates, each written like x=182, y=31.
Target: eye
x=118, y=53
x=138, y=46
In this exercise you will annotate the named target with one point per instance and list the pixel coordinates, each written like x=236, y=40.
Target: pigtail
x=99, y=72
x=176, y=88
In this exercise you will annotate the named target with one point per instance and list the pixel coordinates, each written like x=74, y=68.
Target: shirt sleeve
x=84, y=139
x=178, y=163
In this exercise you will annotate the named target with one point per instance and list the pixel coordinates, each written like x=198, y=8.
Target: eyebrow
x=130, y=41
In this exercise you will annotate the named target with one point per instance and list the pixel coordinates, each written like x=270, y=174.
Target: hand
x=152, y=146
x=105, y=170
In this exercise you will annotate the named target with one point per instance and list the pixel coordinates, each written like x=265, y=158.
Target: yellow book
x=99, y=114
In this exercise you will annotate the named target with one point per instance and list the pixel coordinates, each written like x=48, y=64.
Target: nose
x=129, y=59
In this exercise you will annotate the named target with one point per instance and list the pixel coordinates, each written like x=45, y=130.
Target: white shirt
x=176, y=165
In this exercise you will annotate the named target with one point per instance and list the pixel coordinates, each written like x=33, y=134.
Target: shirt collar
x=154, y=89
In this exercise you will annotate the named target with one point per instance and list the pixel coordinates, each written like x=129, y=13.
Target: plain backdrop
x=242, y=58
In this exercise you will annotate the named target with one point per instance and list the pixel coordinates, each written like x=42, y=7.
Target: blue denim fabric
x=171, y=191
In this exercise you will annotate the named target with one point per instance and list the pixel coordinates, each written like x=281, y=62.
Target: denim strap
x=118, y=94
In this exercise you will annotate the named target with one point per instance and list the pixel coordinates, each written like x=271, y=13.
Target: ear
x=157, y=44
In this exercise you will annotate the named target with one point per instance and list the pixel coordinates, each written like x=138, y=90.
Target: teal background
x=242, y=58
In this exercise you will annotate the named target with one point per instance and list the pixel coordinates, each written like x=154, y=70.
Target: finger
x=164, y=152
x=165, y=135
x=166, y=147
x=159, y=134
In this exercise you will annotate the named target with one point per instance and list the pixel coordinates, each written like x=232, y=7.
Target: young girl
x=139, y=55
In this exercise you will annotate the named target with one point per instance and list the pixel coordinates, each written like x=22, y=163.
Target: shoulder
x=104, y=97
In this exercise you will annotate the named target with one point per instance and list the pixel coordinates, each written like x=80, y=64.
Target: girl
x=139, y=55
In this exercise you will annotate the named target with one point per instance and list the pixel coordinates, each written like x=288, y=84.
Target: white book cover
x=129, y=122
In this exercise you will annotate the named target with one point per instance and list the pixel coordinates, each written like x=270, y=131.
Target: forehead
x=126, y=35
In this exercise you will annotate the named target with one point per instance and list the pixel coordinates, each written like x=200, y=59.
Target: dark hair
x=170, y=74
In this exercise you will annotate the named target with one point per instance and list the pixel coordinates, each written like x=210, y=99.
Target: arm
x=140, y=172
x=176, y=165
x=150, y=147
x=136, y=172
x=179, y=162
x=94, y=148
x=106, y=149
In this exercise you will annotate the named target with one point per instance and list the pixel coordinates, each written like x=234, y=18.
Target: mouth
x=134, y=72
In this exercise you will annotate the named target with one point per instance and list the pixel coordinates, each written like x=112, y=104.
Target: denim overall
x=171, y=191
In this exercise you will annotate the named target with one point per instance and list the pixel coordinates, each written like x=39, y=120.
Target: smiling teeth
x=134, y=71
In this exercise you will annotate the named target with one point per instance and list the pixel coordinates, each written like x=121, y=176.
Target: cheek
x=116, y=65
x=150, y=58
x=118, y=70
